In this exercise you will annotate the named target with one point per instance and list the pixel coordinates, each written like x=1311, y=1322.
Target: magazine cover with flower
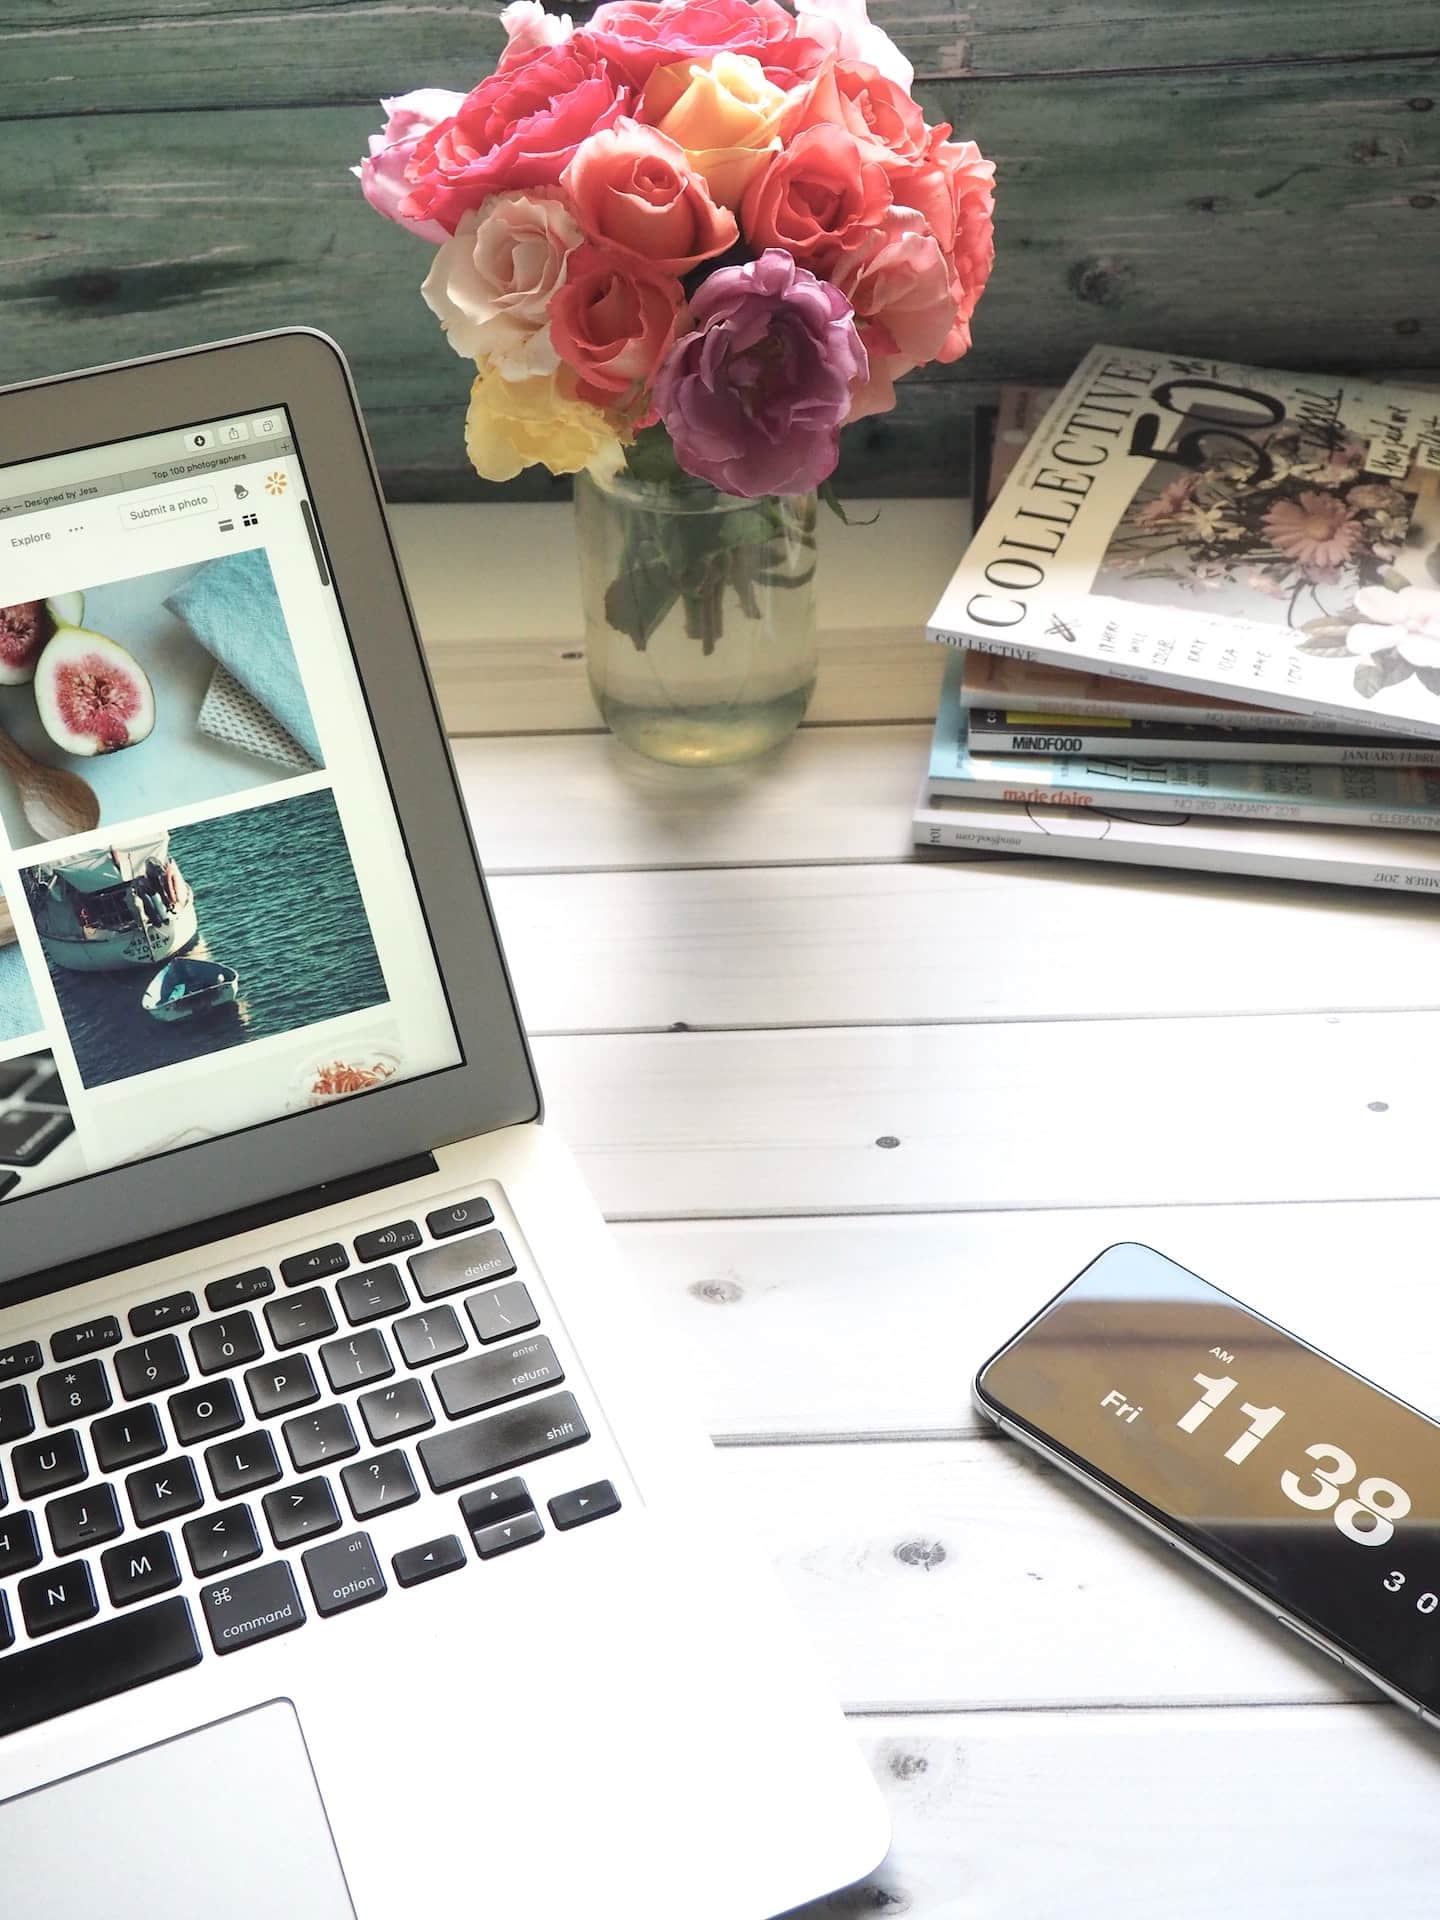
x=1270, y=537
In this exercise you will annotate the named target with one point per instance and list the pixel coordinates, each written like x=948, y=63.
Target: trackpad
x=226, y=1822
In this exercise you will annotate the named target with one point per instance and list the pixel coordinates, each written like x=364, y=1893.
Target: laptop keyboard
x=34, y=1117
x=249, y=1442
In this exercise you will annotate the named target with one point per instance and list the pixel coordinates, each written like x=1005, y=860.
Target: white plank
x=554, y=803
x=954, y=1574
x=1103, y=1113
x=770, y=946
x=859, y=1326
x=1327, y=1812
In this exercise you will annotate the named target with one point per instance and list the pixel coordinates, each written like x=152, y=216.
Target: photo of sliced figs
x=92, y=696
x=28, y=628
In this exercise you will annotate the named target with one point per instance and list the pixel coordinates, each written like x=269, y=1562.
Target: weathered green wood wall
x=1259, y=178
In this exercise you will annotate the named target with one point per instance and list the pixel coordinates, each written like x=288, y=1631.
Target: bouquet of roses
x=700, y=236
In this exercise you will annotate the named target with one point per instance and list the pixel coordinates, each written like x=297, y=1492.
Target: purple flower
x=754, y=395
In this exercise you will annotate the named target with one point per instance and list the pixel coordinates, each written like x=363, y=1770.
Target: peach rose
x=634, y=190
x=970, y=181
x=899, y=283
x=817, y=198
x=610, y=323
x=491, y=284
x=725, y=114
x=862, y=100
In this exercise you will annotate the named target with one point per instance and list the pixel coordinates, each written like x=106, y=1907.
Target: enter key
x=489, y=1379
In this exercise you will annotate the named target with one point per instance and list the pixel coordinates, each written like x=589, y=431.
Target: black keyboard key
x=299, y=1512
x=83, y=1519
x=318, y=1264
x=423, y=1337
x=238, y=1289
x=14, y=1074
x=124, y=1439
x=463, y=1218
x=50, y=1465
x=414, y=1565
x=206, y=1412
x=469, y=1263
x=47, y=1092
x=486, y=1506
x=19, y=1545
x=7, y=1632
x=390, y=1413
x=370, y=1296
x=58, y=1597
x=386, y=1242
x=17, y=1417
x=502, y=1312
x=126, y=1651
x=139, y=1569
x=309, y=1316
x=489, y=1379
x=357, y=1361
x=250, y=1607
x=7, y=1181
x=490, y=1542
x=375, y=1486
x=26, y=1136
x=236, y=1466
x=154, y=1367
x=577, y=1509
x=71, y=1343
x=161, y=1493
x=281, y=1386
x=504, y=1440
x=343, y=1574
x=71, y=1395
x=218, y=1540
x=23, y=1358
x=155, y=1316
x=231, y=1342
x=315, y=1439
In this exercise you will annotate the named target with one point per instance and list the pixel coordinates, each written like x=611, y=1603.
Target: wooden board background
x=1260, y=180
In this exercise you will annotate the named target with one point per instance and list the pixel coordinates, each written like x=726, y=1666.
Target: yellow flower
x=540, y=421
x=724, y=113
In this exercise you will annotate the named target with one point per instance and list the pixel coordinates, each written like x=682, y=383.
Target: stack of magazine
x=1199, y=626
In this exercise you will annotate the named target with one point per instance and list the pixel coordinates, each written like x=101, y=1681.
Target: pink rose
x=899, y=283
x=529, y=30
x=492, y=281
x=519, y=128
x=382, y=173
x=862, y=100
x=843, y=27
x=971, y=182
x=634, y=190
x=638, y=35
x=817, y=199
x=611, y=322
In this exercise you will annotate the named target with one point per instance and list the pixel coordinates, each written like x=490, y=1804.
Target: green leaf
x=826, y=492
x=1385, y=669
x=639, y=597
x=1320, y=648
x=651, y=457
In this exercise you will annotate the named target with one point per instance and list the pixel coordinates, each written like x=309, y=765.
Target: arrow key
x=509, y=1534
x=586, y=1503
x=428, y=1561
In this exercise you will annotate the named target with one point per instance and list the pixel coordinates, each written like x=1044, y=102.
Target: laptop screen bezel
x=495, y=1085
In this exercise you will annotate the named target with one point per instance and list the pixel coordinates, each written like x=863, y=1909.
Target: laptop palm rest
x=226, y=1822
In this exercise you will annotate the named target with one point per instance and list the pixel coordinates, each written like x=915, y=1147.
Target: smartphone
x=1305, y=1487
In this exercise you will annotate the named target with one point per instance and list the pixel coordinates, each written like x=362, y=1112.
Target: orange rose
x=818, y=198
x=634, y=190
x=611, y=322
x=725, y=114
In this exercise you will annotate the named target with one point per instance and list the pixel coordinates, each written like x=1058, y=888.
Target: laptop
x=359, y=1555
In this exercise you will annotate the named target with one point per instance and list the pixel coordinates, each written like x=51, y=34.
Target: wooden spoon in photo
x=55, y=803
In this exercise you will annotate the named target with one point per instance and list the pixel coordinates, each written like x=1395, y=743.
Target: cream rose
x=491, y=283
x=540, y=421
x=724, y=113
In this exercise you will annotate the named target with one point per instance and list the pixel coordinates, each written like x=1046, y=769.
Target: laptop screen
x=207, y=914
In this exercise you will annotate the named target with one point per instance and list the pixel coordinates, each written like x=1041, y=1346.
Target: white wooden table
x=854, y=1115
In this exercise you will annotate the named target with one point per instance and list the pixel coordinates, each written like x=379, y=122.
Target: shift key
x=503, y=1441
x=252, y=1606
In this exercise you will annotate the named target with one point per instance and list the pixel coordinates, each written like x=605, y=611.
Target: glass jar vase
x=699, y=615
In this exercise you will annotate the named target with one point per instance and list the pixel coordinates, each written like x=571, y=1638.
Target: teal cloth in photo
x=233, y=610
x=19, y=1014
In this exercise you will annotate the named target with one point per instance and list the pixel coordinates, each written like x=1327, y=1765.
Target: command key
x=252, y=1606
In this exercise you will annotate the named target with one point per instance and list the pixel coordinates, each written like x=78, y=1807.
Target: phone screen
x=1306, y=1482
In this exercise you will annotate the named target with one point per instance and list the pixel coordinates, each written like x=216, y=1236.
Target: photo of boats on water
x=170, y=946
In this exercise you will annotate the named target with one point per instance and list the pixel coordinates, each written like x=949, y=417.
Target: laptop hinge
x=243, y=1220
